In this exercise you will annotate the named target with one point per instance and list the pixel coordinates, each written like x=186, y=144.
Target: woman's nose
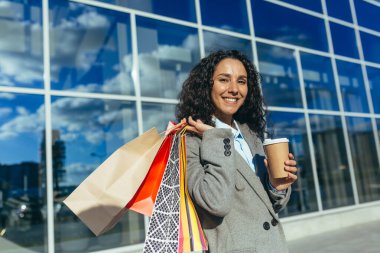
x=233, y=87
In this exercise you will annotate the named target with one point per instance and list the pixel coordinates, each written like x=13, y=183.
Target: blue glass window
x=91, y=49
x=367, y=14
x=279, y=73
x=314, y=5
x=344, y=40
x=331, y=161
x=371, y=48
x=213, y=14
x=288, y=26
x=167, y=52
x=293, y=127
x=22, y=169
x=85, y=132
x=374, y=85
x=319, y=82
x=352, y=87
x=215, y=41
x=157, y=115
x=21, y=47
x=339, y=10
x=364, y=156
x=184, y=9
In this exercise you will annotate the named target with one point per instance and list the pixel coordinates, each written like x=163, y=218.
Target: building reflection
x=23, y=196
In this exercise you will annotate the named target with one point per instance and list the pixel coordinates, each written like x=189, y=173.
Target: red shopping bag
x=143, y=200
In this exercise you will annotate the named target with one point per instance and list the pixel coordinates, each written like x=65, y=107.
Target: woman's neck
x=225, y=119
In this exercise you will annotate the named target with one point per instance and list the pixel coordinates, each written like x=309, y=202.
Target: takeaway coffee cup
x=277, y=151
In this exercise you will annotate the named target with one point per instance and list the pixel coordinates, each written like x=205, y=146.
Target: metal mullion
x=341, y=107
x=136, y=12
x=226, y=32
x=136, y=82
x=253, y=35
x=308, y=131
x=48, y=128
x=296, y=8
x=366, y=81
x=125, y=249
x=199, y=27
x=22, y=90
x=68, y=93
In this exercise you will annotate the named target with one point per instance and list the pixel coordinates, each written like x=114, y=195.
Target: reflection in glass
x=374, y=86
x=352, y=87
x=288, y=26
x=371, y=49
x=90, y=49
x=366, y=13
x=85, y=133
x=236, y=21
x=364, y=156
x=157, y=115
x=215, y=41
x=331, y=161
x=314, y=5
x=23, y=211
x=21, y=48
x=184, y=9
x=279, y=73
x=319, y=82
x=293, y=127
x=344, y=40
x=341, y=10
x=167, y=52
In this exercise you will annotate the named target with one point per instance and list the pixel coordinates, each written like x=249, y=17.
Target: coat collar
x=259, y=180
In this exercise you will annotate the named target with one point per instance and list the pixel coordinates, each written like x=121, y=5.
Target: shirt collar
x=220, y=124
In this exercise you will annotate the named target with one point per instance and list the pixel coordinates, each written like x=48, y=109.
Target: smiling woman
x=236, y=198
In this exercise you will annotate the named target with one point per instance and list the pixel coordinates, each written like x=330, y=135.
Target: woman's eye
x=223, y=80
x=242, y=81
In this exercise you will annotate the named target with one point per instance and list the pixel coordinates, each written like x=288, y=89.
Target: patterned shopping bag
x=163, y=229
x=174, y=226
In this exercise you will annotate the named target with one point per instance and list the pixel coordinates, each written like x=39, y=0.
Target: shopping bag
x=163, y=228
x=174, y=226
x=191, y=236
x=143, y=201
x=100, y=200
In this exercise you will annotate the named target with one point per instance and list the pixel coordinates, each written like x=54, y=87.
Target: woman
x=236, y=199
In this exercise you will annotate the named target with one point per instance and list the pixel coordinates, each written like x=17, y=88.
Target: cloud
x=5, y=111
x=22, y=110
x=7, y=96
x=22, y=123
x=20, y=69
x=92, y=20
x=77, y=172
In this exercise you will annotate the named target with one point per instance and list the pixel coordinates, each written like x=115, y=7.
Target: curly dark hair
x=195, y=97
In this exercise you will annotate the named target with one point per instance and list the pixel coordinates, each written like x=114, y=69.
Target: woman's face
x=230, y=88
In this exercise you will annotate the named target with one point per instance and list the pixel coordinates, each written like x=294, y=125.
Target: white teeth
x=231, y=99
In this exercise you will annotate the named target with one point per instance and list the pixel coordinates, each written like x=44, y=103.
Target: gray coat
x=235, y=207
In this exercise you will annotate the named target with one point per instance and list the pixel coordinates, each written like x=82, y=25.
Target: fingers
x=192, y=122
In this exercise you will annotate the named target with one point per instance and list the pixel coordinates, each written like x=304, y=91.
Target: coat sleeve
x=279, y=200
x=211, y=170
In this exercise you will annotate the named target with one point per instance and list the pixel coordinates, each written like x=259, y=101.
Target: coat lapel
x=258, y=180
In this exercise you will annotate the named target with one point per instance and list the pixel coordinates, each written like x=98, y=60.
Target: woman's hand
x=197, y=126
x=283, y=183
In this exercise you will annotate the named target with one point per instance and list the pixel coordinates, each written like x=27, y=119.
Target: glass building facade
x=80, y=78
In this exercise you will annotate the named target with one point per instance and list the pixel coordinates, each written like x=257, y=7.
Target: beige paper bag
x=100, y=200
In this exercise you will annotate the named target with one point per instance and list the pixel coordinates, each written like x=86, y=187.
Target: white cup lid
x=273, y=141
